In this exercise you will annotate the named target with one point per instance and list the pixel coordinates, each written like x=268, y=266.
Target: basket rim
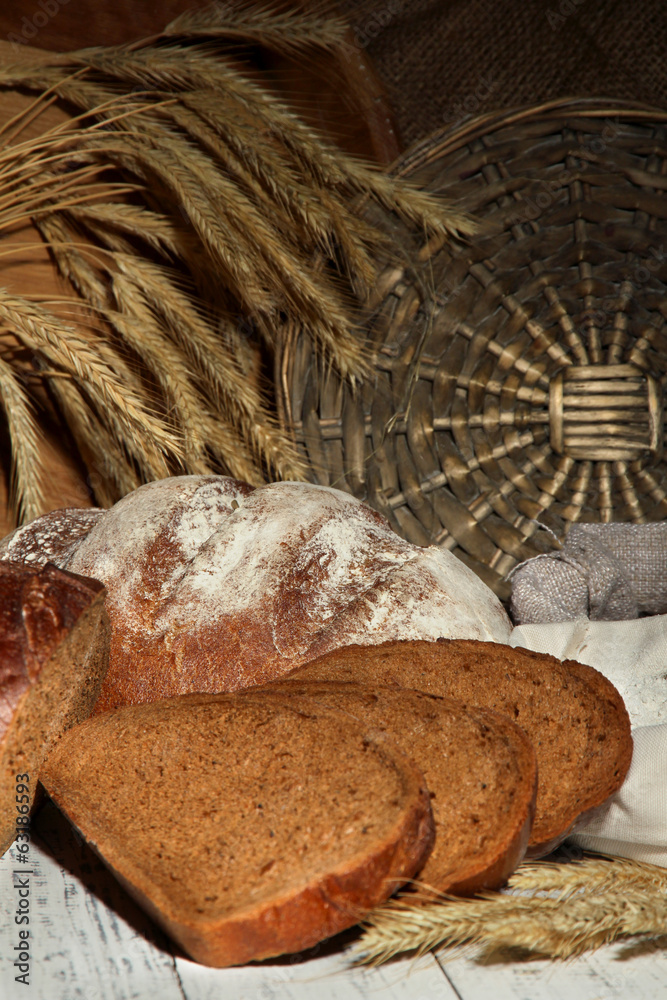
x=446, y=140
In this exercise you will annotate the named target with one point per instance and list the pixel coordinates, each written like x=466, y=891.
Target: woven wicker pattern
x=517, y=381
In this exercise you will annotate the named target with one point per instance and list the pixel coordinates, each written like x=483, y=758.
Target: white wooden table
x=90, y=942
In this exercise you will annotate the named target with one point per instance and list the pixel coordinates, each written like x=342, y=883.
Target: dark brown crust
x=501, y=678
x=293, y=918
x=510, y=853
x=507, y=861
x=54, y=654
x=333, y=903
x=37, y=610
x=605, y=692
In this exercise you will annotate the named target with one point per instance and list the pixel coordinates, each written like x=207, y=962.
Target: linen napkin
x=632, y=654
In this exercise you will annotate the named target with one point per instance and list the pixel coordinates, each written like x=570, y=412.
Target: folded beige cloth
x=606, y=572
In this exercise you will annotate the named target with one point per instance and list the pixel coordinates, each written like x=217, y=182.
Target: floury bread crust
x=53, y=656
x=50, y=538
x=213, y=585
x=223, y=817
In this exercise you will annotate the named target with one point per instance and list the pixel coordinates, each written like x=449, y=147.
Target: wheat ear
x=587, y=905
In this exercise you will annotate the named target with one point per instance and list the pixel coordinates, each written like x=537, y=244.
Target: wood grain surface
x=89, y=941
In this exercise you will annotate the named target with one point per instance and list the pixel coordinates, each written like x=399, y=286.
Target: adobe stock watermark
x=558, y=17
x=21, y=948
x=32, y=24
x=472, y=102
x=373, y=25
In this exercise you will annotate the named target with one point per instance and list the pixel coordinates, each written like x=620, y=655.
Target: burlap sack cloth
x=443, y=60
x=607, y=572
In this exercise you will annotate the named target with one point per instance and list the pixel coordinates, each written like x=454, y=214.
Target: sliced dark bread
x=246, y=826
x=54, y=653
x=479, y=767
x=573, y=715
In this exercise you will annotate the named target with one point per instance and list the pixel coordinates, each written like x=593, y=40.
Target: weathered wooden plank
x=616, y=972
x=327, y=978
x=91, y=942
x=88, y=940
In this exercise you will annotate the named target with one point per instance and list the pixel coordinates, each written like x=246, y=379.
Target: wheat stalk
x=28, y=469
x=198, y=219
x=556, y=910
x=42, y=333
x=227, y=386
x=278, y=26
x=603, y=872
x=112, y=473
x=160, y=232
x=266, y=267
x=167, y=309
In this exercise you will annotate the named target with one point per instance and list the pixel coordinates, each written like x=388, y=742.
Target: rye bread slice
x=573, y=715
x=225, y=819
x=54, y=653
x=480, y=769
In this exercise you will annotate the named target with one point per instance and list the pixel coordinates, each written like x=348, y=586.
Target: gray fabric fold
x=605, y=572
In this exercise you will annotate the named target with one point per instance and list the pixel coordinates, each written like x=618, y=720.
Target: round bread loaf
x=215, y=586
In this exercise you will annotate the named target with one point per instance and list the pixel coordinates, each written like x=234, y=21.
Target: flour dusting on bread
x=213, y=585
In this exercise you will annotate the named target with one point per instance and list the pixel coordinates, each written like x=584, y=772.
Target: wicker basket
x=517, y=381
